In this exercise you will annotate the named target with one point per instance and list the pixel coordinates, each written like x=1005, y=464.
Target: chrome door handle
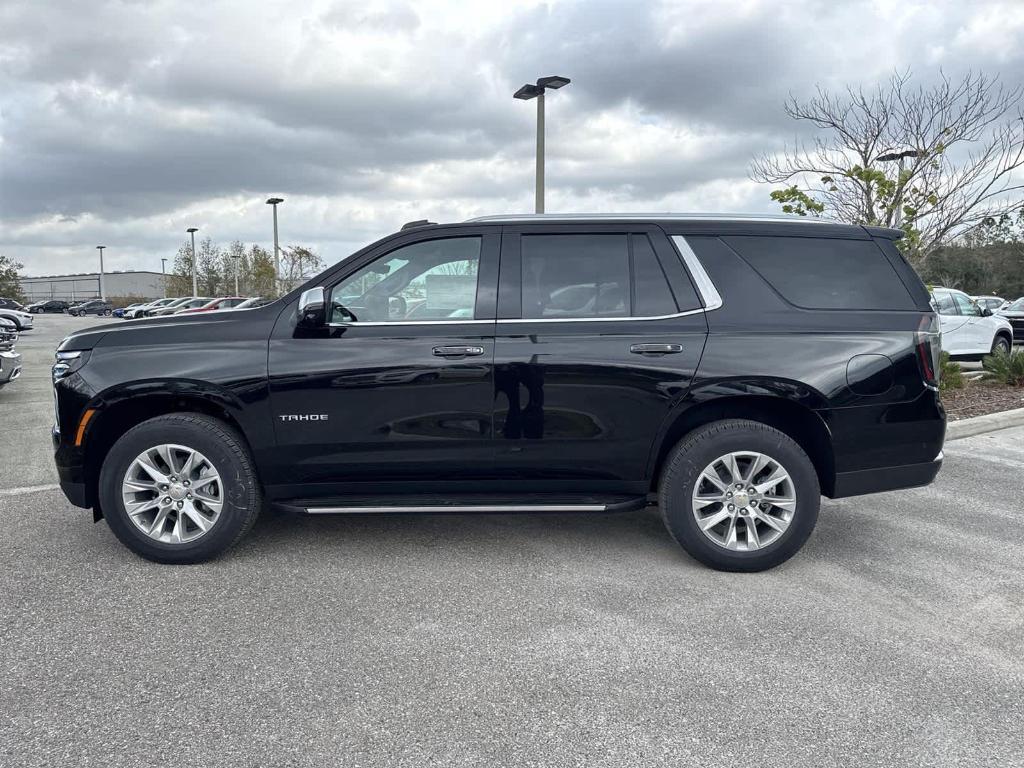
x=656, y=349
x=458, y=351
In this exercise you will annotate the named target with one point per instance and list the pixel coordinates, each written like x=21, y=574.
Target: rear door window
x=825, y=273
x=652, y=295
x=575, y=276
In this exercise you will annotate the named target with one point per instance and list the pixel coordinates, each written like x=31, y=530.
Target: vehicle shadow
x=608, y=535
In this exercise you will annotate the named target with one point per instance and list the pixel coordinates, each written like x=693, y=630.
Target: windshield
x=1017, y=306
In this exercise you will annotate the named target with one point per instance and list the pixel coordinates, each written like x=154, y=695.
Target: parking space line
x=28, y=489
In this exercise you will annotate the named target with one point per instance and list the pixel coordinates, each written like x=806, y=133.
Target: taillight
x=928, y=344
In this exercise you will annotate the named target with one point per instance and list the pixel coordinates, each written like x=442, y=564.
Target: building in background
x=149, y=285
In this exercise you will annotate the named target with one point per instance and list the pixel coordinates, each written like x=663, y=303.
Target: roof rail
x=418, y=223
x=766, y=217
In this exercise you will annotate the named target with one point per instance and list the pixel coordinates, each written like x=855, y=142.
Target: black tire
x=703, y=446
x=225, y=449
x=1001, y=342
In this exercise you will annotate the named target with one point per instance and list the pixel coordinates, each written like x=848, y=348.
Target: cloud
x=125, y=122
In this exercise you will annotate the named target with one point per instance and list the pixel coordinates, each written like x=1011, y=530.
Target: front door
x=396, y=394
x=599, y=334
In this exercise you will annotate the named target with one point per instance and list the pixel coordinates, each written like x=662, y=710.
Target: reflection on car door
x=387, y=392
x=582, y=380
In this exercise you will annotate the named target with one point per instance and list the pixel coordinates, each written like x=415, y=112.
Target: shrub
x=1005, y=368
x=950, y=375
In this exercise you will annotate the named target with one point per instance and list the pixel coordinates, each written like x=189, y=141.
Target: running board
x=382, y=506
x=457, y=508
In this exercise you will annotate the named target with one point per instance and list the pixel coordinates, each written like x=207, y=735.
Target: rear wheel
x=180, y=488
x=739, y=495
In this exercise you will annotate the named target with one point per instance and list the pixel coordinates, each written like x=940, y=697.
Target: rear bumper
x=886, y=478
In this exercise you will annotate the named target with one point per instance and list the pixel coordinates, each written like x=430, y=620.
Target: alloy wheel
x=744, y=501
x=172, y=493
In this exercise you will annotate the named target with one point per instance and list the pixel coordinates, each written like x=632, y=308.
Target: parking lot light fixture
x=536, y=91
x=195, y=280
x=273, y=201
x=103, y=294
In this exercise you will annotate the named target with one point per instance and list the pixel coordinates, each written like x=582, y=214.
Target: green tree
x=10, y=285
x=936, y=161
x=259, y=272
x=210, y=278
x=179, y=280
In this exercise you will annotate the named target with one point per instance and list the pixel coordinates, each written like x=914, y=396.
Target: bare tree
x=936, y=161
x=298, y=264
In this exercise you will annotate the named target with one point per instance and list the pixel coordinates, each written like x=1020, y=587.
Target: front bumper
x=10, y=367
x=886, y=478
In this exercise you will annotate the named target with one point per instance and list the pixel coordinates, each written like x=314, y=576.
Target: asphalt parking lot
x=895, y=638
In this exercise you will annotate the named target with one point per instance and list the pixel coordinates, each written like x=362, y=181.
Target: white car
x=23, y=320
x=990, y=302
x=968, y=330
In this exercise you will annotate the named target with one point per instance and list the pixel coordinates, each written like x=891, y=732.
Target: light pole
x=195, y=281
x=103, y=295
x=277, y=248
x=235, y=256
x=163, y=271
x=526, y=93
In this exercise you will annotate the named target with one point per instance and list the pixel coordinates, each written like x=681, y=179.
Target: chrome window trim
x=619, y=319
x=705, y=287
x=407, y=322
x=651, y=217
x=521, y=320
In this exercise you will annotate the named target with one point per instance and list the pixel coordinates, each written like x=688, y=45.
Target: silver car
x=10, y=361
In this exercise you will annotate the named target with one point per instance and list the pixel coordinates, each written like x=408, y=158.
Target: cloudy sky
x=123, y=122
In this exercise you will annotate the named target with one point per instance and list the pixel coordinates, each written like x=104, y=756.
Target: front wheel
x=180, y=488
x=739, y=495
x=1001, y=344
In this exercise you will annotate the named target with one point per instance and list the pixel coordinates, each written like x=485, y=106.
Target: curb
x=979, y=425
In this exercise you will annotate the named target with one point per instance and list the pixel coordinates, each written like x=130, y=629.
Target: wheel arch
x=801, y=423
x=119, y=410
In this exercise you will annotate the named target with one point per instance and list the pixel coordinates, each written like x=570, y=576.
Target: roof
x=664, y=216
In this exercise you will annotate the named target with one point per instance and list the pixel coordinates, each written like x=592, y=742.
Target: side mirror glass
x=312, y=308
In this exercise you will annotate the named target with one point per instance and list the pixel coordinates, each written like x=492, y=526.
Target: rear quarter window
x=825, y=273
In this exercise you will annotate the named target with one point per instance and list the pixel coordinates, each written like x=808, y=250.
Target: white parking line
x=28, y=489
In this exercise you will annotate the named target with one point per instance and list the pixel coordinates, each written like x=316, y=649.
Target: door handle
x=458, y=351
x=655, y=349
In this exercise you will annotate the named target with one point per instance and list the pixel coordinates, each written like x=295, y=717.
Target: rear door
x=952, y=323
x=599, y=333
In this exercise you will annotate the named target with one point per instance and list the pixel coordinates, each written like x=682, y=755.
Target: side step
x=455, y=505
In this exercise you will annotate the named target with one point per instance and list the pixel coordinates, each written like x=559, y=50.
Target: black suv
x=732, y=370
x=53, y=305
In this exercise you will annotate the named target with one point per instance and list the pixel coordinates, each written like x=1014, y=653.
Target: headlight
x=68, y=362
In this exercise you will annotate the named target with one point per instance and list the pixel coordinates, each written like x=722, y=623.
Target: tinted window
x=820, y=273
x=575, y=276
x=430, y=280
x=651, y=293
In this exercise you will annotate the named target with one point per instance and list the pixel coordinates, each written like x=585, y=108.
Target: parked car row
x=188, y=304
x=10, y=360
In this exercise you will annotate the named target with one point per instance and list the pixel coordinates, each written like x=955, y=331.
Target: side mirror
x=986, y=312
x=312, y=308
